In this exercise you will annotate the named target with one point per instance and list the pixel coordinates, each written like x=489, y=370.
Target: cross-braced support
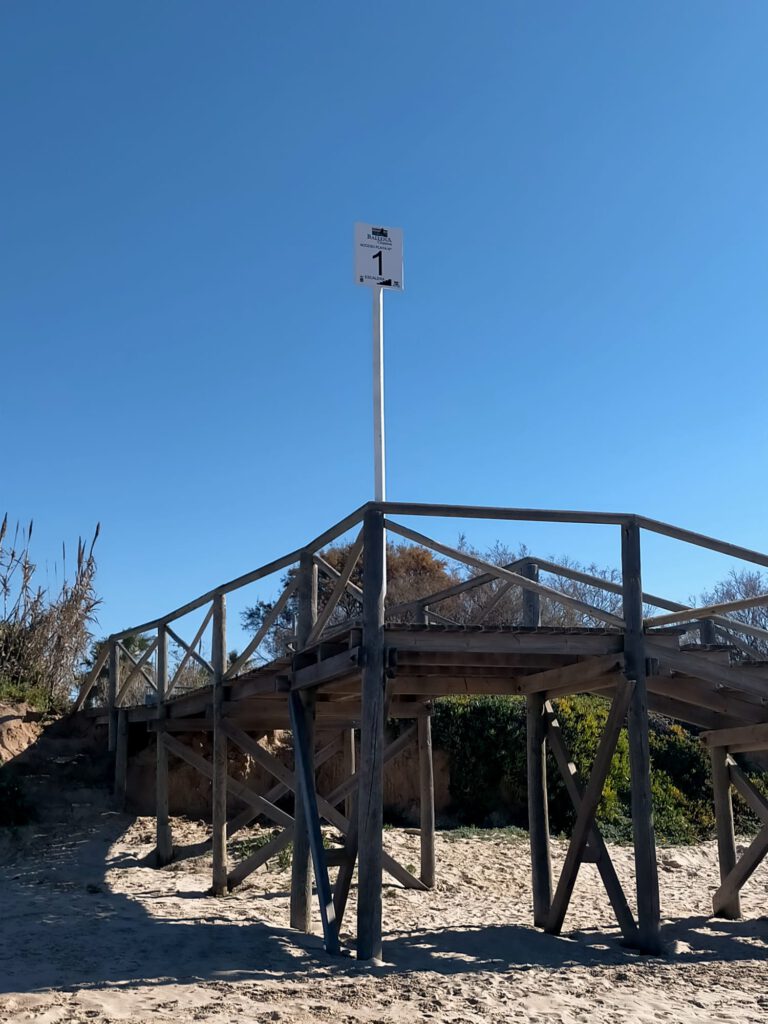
x=586, y=803
x=726, y=773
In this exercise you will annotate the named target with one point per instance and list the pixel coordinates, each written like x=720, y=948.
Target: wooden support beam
x=327, y=806
x=501, y=592
x=249, y=796
x=269, y=620
x=136, y=668
x=596, y=845
x=349, y=755
x=538, y=813
x=585, y=819
x=371, y=797
x=90, y=680
x=426, y=802
x=219, y=787
x=338, y=589
x=114, y=674
x=338, y=666
x=726, y=841
x=163, y=838
x=190, y=650
x=301, y=869
x=690, y=664
x=347, y=866
x=646, y=867
x=754, y=799
x=742, y=739
x=741, y=873
x=124, y=652
x=303, y=742
x=538, y=810
x=121, y=759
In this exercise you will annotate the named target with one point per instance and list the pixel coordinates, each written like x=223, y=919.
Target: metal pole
x=378, y=395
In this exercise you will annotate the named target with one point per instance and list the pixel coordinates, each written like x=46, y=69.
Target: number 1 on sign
x=378, y=256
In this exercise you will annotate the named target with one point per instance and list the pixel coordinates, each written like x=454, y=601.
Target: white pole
x=379, y=465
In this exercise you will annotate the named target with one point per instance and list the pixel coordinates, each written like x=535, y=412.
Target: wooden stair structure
x=349, y=674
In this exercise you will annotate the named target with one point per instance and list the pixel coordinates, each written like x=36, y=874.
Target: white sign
x=379, y=256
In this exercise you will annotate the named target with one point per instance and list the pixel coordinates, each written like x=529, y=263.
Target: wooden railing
x=149, y=667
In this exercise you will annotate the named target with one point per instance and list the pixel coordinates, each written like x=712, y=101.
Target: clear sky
x=583, y=189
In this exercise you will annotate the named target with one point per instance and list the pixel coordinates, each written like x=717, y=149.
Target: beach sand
x=90, y=933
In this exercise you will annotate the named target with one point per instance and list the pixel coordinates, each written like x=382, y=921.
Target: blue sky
x=185, y=358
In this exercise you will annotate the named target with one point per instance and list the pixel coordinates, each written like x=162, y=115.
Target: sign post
x=378, y=266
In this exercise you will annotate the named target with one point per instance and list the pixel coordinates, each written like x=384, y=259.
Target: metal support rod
x=646, y=868
x=379, y=455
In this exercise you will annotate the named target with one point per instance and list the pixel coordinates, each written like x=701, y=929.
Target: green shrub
x=485, y=739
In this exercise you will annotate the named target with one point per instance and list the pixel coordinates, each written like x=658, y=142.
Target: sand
x=90, y=933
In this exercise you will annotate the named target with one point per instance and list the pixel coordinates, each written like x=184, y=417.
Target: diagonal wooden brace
x=600, y=856
x=741, y=872
x=326, y=805
x=586, y=815
x=306, y=785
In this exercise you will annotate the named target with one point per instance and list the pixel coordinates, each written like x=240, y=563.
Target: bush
x=44, y=635
x=485, y=739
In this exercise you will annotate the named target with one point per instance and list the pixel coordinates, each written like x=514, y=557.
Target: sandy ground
x=88, y=932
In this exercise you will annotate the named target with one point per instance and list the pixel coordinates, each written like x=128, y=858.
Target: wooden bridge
x=700, y=666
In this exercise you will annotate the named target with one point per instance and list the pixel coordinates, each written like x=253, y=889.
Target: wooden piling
x=726, y=842
x=164, y=838
x=426, y=801
x=301, y=861
x=112, y=688
x=349, y=754
x=371, y=791
x=121, y=759
x=538, y=808
x=219, y=785
x=646, y=868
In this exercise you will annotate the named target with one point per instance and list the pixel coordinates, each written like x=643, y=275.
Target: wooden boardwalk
x=342, y=681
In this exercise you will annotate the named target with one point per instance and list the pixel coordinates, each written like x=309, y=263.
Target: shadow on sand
x=62, y=927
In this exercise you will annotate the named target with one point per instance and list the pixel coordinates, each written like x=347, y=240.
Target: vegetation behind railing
x=45, y=631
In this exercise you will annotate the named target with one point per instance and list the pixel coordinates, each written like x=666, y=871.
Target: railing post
x=646, y=868
x=164, y=838
x=538, y=808
x=219, y=790
x=113, y=685
x=707, y=634
x=301, y=862
x=371, y=770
